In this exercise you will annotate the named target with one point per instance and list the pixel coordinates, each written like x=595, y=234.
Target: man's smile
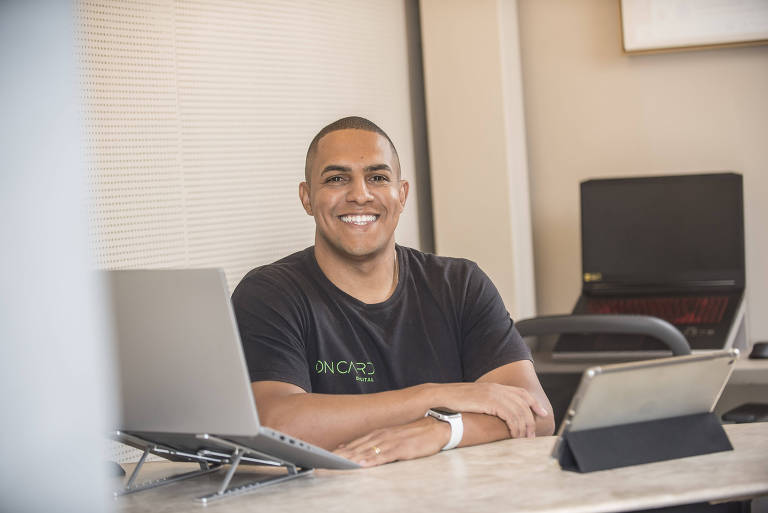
x=359, y=219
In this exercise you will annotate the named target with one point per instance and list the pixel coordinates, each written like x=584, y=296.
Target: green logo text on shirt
x=363, y=371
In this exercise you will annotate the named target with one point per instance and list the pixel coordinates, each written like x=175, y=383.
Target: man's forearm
x=424, y=437
x=480, y=429
x=328, y=420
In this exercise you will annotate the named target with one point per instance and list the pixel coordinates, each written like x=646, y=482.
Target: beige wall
x=476, y=138
x=593, y=112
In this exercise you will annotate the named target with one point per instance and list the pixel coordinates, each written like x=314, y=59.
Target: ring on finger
x=376, y=450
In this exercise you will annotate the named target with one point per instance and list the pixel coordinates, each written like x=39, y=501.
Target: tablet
x=627, y=393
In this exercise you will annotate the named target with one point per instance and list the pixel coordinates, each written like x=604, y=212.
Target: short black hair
x=347, y=123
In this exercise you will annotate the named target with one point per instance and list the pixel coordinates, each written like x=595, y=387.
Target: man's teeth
x=365, y=219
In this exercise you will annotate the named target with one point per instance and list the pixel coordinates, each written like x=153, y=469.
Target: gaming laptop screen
x=685, y=230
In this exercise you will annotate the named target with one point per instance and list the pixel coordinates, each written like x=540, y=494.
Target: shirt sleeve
x=270, y=321
x=489, y=337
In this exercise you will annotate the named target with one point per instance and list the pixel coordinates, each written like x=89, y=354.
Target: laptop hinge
x=661, y=288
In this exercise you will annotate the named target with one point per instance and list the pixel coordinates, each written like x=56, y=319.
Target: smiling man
x=374, y=350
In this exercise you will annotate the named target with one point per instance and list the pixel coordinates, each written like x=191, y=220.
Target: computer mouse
x=759, y=350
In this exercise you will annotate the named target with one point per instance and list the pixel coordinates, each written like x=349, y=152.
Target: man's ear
x=304, y=197
x=403, y=192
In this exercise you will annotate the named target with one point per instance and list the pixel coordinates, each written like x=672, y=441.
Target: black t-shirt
x=444, y=323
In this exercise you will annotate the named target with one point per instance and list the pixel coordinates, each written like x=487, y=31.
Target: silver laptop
x=182, y=369
x=625, y=393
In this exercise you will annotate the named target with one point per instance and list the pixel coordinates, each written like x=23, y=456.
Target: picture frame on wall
x=668, y=25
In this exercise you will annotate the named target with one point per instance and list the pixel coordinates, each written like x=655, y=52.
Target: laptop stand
x=223, y=452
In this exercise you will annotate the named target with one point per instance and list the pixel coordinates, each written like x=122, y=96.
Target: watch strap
x=457, y=427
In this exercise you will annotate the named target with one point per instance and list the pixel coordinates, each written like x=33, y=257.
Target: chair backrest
x=561, y=385
x=607, y=323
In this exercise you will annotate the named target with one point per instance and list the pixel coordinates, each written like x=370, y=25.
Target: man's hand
x=512, y=404
x=417, y=439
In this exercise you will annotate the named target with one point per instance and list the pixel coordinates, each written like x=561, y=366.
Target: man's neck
x=370, y=280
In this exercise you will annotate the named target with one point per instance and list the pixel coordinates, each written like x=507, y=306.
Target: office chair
x=560, y=386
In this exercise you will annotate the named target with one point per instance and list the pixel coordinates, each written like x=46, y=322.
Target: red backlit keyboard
x=676, y=310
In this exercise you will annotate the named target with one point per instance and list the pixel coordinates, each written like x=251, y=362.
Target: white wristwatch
x=454, y=419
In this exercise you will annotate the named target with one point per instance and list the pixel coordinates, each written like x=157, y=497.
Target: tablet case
x=643, y=442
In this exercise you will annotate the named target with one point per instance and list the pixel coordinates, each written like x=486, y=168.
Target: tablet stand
x=643, y=442
x=210, y=460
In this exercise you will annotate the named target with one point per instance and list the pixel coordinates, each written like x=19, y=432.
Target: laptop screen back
x=685, y=230
x=181, y=365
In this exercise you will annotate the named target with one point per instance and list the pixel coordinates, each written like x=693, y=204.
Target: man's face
x=355, y=193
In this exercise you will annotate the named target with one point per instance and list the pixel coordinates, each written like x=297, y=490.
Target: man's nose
x=358, y=191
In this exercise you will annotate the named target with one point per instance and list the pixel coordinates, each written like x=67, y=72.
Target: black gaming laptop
x=667, y=246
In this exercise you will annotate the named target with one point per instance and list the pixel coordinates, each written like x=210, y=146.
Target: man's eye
x=379, y=178
x=334, y=179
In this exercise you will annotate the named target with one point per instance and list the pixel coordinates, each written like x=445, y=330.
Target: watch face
x=444, y=411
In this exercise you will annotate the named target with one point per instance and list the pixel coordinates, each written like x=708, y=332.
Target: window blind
x=198, y=116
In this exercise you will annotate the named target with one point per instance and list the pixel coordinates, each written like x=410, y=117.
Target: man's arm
x=427, y=436
x=520, y=374
x=328, y=420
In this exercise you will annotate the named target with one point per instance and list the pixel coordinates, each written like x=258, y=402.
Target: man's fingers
x=509, y=420
x=520, y=415
x=372, y=449
x=361, y=451
x=373, y=452
x=530, y=424
x=537, y=408
x=377, y=453
x=414, y=440
x=532, y=403
x=523, y=420
x=357, y=443
x=513, y=415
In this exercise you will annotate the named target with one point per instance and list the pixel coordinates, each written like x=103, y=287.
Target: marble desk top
x=511, y=475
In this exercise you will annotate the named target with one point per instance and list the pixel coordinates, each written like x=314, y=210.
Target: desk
x=748, y=384
x=511, y=475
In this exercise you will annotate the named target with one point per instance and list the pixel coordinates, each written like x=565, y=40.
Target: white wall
x=476, y=136
x=54, y=349
x=593, y=112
